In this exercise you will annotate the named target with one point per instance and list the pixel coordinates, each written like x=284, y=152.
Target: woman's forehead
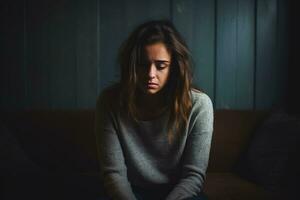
x=157, y=51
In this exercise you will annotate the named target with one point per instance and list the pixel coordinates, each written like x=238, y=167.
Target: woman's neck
x=151, y=102
x=151, y=106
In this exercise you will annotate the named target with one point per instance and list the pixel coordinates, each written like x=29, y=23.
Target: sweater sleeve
x=112, y=163
x=196, y=152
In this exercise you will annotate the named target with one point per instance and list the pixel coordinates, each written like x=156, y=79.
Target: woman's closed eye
x=160, y=65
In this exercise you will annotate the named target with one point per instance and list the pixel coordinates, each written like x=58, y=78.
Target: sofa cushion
x=232, y=131
x=52, y=186
x=13, y=158
x=54, y=139
x=272, y=151
x=228, y=186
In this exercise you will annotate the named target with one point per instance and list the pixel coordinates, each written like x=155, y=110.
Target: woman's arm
x=112, y=163
x=196, y=153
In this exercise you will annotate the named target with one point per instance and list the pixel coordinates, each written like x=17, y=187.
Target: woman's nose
x=152, y=71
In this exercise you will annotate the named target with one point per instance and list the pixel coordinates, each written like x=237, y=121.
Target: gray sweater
x=138, y=154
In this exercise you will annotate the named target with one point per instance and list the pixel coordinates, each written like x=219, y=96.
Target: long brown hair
x=179, y=84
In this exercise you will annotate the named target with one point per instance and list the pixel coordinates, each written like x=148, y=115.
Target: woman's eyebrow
x=164, y=61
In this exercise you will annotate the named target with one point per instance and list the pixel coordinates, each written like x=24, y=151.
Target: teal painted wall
x=61, y=54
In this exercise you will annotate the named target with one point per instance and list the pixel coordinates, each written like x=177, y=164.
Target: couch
x=60, y=160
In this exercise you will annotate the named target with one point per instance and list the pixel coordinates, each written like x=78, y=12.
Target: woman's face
x=154, y=71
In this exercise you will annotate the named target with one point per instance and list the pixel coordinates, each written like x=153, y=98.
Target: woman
x=153, y=129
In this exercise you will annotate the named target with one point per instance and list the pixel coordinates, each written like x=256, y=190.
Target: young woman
x=153, y=129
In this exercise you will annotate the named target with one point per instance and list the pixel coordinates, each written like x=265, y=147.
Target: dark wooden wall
x=62, y=53
x=293, y=104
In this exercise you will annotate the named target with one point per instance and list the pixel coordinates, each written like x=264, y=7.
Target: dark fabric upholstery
x=272, y=152
x=231, y=136
x=13, y=159
x=228, y=186
x=63, y=142
x=49, y=186
x=58, y=141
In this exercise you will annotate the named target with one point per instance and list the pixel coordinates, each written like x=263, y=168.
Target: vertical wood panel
x=37, y=54
x=12, y=73
x=137, y=12
x=111, y=31
x=226, y=58
x=195, y=20
x=37, y=76
x=86, y=54
x=117, y=20
x=51, y=53
x=272, y=54
x=245, y=54
x=283, y=51
x=267, y=68
x=63, y=73
x=98, y=83
x=235, y=54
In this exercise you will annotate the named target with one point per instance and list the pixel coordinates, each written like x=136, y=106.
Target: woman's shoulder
x=202, y=111
x=200, y=98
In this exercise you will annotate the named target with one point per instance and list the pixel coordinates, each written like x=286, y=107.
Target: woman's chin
x=151, y=91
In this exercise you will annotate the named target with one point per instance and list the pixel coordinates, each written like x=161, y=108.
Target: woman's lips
x=152, y=85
